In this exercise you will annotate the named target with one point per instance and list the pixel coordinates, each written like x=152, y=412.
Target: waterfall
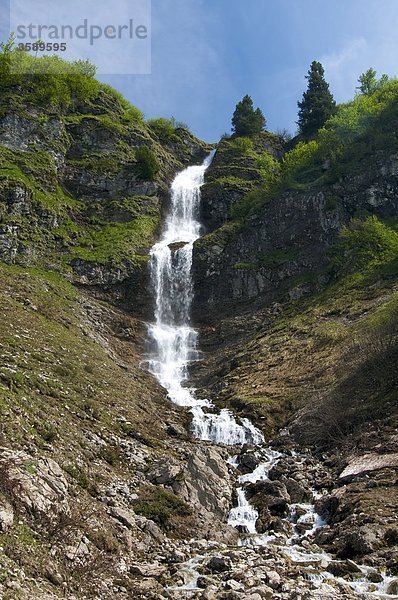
x=174, y=346
x=174, y=340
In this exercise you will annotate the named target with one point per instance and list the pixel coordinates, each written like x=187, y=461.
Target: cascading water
x=174, y=340
x=174, y=346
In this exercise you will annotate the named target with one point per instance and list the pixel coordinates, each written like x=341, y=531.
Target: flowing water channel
x=174, y=345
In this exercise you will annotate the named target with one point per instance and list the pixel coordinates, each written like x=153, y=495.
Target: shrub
x=300, y=161
x=181, y=125
x=147, y=163
x=163, y=128
x=258, y=197
x=364, y=245
x=47, y=432
x=79, y=475
x=48, y=79
x=130, y=112
x=244, y=266
x=157, y=504
x=110, y=454
x=270, y=168
x=242, y=145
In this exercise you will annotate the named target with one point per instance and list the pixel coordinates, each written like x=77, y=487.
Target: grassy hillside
x=362, y=130
x=336, y=349
x=82, y=174
x=82, y=181
x=322, y=338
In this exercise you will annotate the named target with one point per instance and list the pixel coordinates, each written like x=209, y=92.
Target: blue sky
x=207, y=54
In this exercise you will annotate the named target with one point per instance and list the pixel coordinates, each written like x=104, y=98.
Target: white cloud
x=341, y=60
x=342, y=68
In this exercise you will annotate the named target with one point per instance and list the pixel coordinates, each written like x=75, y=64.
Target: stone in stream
x=392, y=588
x=176, y=246
x=269, y=496
x=298, y=492
x=247, y=460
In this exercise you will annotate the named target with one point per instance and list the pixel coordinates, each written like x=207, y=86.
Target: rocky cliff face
x=234, y=172
x=73, y=195
x=281, y=250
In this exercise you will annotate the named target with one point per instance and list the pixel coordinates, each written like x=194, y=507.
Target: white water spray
x=175, y=347
x=174, y=340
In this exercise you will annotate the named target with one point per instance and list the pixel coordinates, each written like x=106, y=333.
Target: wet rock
x=283, y=467
x=326, y=506
x=218, y=564
x=298, y=492
x=203, y=581
x=343, y=568
x=269, y=495
x=392, y=588
x=375, y=577
x=247, y=462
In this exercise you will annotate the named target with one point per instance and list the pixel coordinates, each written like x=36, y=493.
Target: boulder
x=356, y=543
x=368, y=463
x=218, y=564
x=164, y=472
x=205, y=484
x=124, y=515
x=6, y=515
x=297, y=491
x=37, y=486
x=147, y=569
x=247, y=462
x=269, y=495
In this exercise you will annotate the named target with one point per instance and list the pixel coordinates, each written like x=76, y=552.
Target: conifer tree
x=368, y=82
x=246, y=120
x=317, y=104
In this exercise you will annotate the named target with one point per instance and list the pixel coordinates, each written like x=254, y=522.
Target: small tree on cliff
x=317, y=104
x=368, y=82
x=246, y=120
